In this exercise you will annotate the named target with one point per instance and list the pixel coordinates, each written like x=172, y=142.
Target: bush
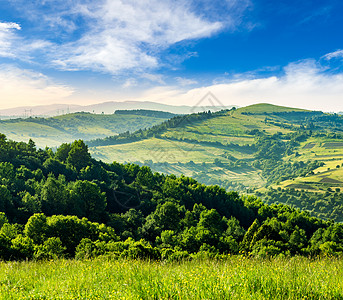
x=51, y=249
x=141, y=250
x=22, y=248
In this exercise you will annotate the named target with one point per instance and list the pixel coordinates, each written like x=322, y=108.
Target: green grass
x=231, y=128
x=162, y=150
x=235, y=278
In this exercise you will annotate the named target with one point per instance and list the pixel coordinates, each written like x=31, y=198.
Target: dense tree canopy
x=66, y=204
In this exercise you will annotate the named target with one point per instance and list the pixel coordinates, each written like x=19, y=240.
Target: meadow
x=236, y=277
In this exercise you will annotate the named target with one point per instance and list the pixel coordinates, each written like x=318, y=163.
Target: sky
x=283, y=52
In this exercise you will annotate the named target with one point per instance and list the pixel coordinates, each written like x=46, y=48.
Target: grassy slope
x=235, y=278
x=56, y=130
x=177, y=148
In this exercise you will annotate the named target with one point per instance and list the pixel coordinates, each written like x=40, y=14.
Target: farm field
x=236, y=277
x=231, y=128
x=209, y=149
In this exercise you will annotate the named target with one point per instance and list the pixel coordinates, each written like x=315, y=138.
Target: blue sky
x=244, y=51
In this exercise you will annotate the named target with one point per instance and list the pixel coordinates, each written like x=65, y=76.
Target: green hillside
x=260, y=147
x=217, y=148
x=66, y=128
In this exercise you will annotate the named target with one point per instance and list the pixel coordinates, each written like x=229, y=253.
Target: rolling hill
x=53, y=131
x=216, y=149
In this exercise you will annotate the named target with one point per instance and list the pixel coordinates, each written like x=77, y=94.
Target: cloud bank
x=304, y=84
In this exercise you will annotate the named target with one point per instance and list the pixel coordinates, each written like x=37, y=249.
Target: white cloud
x=185, y=81
x=304, y=84
x=8, y=26
x=127, y=35
x=24, y=87
x=7, y=38
x=156, y=78
x=116, y=36
x=335, y=54
x=14, y=46
x=129, y=83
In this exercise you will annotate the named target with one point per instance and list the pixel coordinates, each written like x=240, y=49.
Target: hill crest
x=268, y=108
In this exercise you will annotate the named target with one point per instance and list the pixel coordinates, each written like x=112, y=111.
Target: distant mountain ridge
x=104, y=107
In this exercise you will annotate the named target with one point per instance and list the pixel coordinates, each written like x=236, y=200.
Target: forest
x=66, y=204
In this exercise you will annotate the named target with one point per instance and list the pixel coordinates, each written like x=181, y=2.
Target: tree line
x=155, y=130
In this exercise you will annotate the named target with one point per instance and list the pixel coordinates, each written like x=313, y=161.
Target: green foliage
x=323, y=205
x=3, y=219
x=36, y=228
x=78, y=156
x=87, y=200
x=145, y=112
x=62, y=152
x=22, y=248
x=54, y=196
x=5, y=199
x=130, y=212
x=52, y=248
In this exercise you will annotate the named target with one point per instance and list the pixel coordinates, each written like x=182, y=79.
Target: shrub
x=51, y=249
